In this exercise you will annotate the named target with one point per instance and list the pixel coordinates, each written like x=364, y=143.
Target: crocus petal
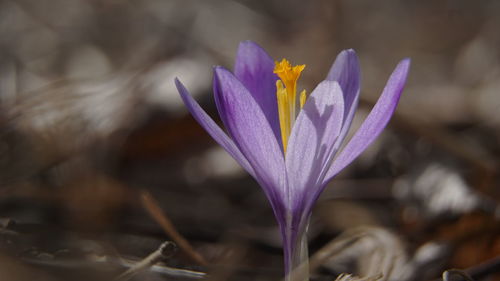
x=313, y=136
x=251, y=132
x=375, y=122
x=254, y=68
x=212, y=128
x=310, y=149
x=345, y=70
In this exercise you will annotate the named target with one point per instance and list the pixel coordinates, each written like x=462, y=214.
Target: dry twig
x=153, y=208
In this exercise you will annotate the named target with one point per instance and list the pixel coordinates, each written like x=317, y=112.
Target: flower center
x=286, y=92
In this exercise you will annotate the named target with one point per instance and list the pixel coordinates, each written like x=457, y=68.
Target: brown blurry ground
x=100, y=163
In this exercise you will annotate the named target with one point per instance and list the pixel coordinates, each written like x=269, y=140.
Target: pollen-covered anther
x=286, y=92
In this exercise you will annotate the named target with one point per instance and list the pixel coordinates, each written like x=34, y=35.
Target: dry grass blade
x=154, y=210
x=350, y=277
x=164, y=251
x=448, y=275
x=376, y=251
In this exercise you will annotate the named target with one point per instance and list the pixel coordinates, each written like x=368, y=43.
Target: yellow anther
x=286, y=91
x=283, y=112
x=289, y=75
x=303, y=98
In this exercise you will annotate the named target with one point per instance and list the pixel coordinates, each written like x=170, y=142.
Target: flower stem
x=297, y=255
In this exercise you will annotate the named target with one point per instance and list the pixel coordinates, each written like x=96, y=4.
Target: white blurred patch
x=436, y=103
x=30, y=81
x=69, y=115
x=430, y=252
x=169, y=12
x=195, y=73
x=370, y=153
x=475, y=62
x=105, y=105
x=437, y=190
x=427, y=261
x=87, y=62
x=486, y=103
x=218, y=163
x=374, y=251
x=211, y=26
x=214, y=163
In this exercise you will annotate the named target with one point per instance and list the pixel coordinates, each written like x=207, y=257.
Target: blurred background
x=100, y=163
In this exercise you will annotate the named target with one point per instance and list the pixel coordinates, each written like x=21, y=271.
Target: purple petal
x=251, y=132
x=375, y=122
x=345, y=70
x=310, y=149
x=254, y=68
x=311, y=143
x=212, y=128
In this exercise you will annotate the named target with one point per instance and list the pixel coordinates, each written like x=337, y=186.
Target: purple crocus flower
x=289, y=142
